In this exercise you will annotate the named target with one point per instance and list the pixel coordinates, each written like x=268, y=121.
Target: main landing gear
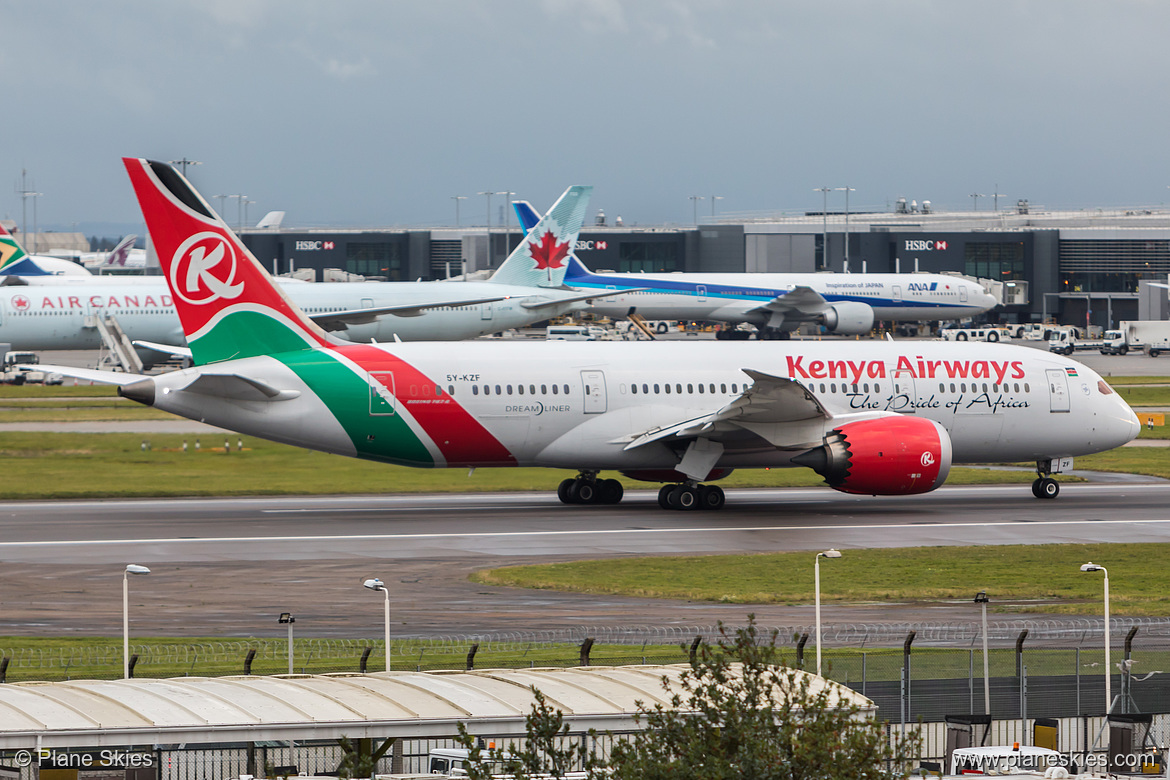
x=1045, y=486
x=691, y=496
x=586, y=488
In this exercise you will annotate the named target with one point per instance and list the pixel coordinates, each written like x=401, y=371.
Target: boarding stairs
x=117, y=352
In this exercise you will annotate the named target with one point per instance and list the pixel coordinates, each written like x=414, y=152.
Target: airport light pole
x=713, y=199
x=846, y=190
x=286, y=617
x=981, y=599
x=132, y=568
x=377, y=584
x=817, y=590
x=1090, y=566
x=183, y=163
x=695, y=203
x=457, y=198
x=975, y=196
x=824, y=224
x=507, y=218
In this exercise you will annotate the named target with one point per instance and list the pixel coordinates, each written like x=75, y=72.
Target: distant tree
x=737, y=712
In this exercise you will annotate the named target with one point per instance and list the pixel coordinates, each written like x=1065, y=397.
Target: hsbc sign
x=589, y=245
x=313, y=246
x=920, y=245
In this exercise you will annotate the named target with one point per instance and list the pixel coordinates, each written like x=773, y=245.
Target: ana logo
x=548, y=253
x=203, y=269
x=923, y=286
x=927, y=459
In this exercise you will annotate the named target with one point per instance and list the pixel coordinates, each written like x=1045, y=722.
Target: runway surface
x=230, y=566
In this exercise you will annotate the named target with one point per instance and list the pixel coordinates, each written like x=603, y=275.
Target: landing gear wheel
x=664, y=496
x=684, y=497
x=609, y=491
x=583, y=491
x=711, y=497
x=563, y=490
x=1048, y=488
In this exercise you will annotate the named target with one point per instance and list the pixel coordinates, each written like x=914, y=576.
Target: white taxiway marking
x=915, y=527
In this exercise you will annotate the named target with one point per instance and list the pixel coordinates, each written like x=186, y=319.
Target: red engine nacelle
x=890, y=456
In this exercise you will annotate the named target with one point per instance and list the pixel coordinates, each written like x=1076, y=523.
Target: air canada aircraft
x=872, y=417
x=779, y=303
x=522, y=291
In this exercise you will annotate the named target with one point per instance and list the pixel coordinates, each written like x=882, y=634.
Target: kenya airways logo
x=548, y=253
x=203, y=269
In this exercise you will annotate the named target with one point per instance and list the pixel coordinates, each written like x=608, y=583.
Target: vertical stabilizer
x=542, y=257
x=227, y=303
x=14, y=261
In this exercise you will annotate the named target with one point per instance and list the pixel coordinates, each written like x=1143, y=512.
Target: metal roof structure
x=108, y=713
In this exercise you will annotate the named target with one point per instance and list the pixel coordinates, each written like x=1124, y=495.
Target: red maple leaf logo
x=548, y=254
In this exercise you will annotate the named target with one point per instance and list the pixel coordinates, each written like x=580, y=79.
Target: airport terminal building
x=1082, y=267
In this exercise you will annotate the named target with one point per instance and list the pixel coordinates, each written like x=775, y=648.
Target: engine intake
x=849, y=318
x=890, y=456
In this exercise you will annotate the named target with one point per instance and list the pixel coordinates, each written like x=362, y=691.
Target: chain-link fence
x=1050, y=668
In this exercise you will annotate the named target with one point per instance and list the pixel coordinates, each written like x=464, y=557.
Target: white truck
x=15, y=376
x=1068, y=338
x=1151, y=336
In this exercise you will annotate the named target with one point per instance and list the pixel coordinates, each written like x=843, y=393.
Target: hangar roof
x=101, y=713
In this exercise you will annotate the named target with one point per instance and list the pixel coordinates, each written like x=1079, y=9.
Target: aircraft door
x=962, y=293
x=1057, y=390
x=897, y=288
x=701, y=293
x=367, y=303
x=381, y=393
x=904, y=397
x=593, y=383
x=485, y=311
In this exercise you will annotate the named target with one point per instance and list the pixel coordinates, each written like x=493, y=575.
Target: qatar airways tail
x=882, y=418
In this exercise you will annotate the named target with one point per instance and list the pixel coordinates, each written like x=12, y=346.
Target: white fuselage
x=580, y=404
x=61, y=316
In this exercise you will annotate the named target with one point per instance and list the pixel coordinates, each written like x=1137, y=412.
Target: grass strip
x=1019, y=578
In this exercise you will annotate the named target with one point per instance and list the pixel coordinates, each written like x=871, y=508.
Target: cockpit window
x=1104, y=388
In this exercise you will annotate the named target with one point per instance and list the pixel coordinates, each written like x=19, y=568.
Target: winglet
x=540, y=259
x=227, y=303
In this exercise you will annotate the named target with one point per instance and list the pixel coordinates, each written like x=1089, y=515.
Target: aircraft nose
x=1123, y=425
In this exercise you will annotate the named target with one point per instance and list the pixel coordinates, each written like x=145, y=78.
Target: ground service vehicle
x=976, y=334
x=1153, y=336
x=1067, y=339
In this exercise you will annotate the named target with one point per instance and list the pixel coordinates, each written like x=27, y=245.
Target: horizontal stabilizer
x=532, y=305
x=165, y=349
x=238, y=388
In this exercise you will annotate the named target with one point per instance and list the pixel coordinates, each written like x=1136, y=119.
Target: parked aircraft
x=883, y=418
x=525, y=289
x=14, y=261
x=779, y=303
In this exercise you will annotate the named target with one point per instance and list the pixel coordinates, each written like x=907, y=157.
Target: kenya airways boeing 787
x=871, y=417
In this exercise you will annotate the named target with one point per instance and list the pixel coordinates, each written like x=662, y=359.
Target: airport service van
x=571, y=333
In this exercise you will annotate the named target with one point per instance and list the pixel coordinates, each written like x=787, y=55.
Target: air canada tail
x=227, y=303
x=528, y=218
x=14, y=261
x=542, y=257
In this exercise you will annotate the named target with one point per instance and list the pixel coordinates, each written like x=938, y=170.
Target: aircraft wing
x=575, y=298
x=772, y=407
x=239, y=388
x=800, y=299
x=340, y=320
x=88, y=374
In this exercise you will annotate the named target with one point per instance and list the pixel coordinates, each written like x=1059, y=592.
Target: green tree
x=547, y=750
x=737, y=712
x=740, y=713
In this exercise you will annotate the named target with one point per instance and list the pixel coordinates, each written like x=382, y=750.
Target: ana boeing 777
x=778, y=303
x=883, y=418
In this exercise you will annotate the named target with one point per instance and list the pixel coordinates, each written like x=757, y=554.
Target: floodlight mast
x=376, y=584
x=132, y=568
x=817, y=591
x=1090, y=566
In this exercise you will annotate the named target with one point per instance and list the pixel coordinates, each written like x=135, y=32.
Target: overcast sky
x=376, y=112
